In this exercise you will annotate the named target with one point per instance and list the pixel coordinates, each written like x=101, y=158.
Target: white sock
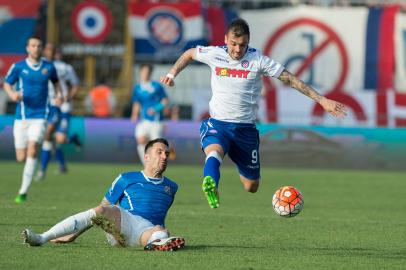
x=157, y=235
x=69, y=225
x=140, y=150
x=28, y=173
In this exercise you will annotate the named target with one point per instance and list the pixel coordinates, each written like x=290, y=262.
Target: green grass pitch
x=351, y=220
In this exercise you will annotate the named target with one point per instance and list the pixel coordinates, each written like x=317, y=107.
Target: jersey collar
x=32, y=66
x=155, y=181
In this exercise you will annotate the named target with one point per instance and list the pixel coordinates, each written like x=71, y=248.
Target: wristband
x=170, y=76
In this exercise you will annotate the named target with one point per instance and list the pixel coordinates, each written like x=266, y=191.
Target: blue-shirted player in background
x=132, y=212
x=59, y=115
x=149, y=101
x=31, y=77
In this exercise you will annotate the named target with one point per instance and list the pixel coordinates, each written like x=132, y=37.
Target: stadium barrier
x=112, y=140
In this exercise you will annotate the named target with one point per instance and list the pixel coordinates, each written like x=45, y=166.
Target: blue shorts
x=63, y=126
x=54, y=115
x=59, y=119
x=239, y=141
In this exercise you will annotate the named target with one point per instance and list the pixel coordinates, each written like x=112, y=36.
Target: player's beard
x=236, y=56
x=160, y=168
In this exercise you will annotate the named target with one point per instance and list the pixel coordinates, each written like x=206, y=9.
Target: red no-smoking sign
x=330, y=41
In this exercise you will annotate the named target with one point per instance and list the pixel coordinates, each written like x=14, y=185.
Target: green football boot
x=210, y=190
x=20, y=198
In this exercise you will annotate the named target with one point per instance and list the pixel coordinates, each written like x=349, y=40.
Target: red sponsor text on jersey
x=225, y=72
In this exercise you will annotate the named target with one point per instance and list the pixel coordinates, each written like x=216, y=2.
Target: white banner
x=325, y=45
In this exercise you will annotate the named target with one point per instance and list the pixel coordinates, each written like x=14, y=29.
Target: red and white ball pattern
x=287, y=201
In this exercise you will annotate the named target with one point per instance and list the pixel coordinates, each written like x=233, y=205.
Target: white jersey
x=236, y=84
x=66, y=74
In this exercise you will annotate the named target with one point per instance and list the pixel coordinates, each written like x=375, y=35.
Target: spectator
x=100, y=101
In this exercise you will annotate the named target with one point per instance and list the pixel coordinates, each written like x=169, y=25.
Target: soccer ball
x=287, y=201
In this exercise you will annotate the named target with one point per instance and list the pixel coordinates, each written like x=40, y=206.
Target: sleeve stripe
x=129, y=200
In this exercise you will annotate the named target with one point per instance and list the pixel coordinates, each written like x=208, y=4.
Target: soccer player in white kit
x=31, y=77
x=59, y=115
x=236, y=82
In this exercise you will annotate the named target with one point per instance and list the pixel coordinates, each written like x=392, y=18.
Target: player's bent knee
x=251, y=186
x=99, y=210
x=20, y=158
x=214, y=148
x=158, y=228
x=102, y=210
x=152, y=234
x=60, y=138
x=21, y=155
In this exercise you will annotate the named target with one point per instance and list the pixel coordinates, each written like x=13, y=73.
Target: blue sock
x=59, y=156
x=212, y=168
x=45, y=158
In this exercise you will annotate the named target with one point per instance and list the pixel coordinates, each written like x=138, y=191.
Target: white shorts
x=150, y=129
x=132, y=227
x=29, y=130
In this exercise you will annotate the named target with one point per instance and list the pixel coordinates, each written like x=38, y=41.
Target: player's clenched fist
x=168, y=79
x=15, y=96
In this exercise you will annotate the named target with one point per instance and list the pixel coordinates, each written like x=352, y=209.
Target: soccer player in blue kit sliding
x=132, y=212
x=236, y=82
x=31, y=77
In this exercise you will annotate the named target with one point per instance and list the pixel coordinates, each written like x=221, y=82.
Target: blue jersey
x=146, y=197
x=150, y=95
x=32, y=81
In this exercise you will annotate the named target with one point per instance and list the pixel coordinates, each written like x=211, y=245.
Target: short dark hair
x=238, y=27
x=152, y=142
x=34, y=37
x=149, y=66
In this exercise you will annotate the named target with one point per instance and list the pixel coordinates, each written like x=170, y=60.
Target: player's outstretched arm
x=180, y=64
x=335, y=108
